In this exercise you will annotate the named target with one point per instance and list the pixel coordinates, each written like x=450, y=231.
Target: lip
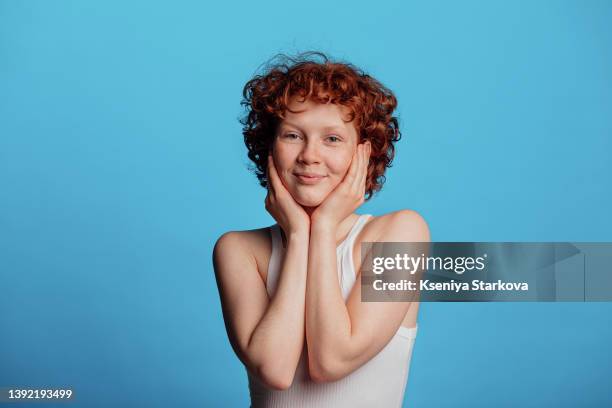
x=308, y=178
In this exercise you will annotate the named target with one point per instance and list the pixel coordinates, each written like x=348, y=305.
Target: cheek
x=340, y=163
x=284, y=157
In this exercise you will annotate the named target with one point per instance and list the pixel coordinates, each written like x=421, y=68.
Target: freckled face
x=313, y=149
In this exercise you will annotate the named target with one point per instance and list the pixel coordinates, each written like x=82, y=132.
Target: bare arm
x=266, y=334
x=342, y=337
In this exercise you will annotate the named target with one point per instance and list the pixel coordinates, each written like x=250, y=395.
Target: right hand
x=280, y=204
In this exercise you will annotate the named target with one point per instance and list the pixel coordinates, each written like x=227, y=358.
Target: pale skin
x=315, y=215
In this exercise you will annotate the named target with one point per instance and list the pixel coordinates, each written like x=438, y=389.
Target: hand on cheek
x=348, y=195
x=280, y=204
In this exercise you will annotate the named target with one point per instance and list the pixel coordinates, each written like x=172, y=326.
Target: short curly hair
x=313, y=75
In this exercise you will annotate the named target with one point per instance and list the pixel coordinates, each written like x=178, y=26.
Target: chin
x=309, y=202
x=310, y=199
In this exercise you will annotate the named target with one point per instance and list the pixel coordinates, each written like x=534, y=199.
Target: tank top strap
x=356, y=229
x=346, y=268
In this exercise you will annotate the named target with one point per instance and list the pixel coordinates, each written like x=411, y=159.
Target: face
x=313, y=149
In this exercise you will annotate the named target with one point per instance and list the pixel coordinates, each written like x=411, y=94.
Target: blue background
x=122, y=161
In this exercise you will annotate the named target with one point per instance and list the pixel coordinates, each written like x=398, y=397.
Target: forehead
x=312, y=113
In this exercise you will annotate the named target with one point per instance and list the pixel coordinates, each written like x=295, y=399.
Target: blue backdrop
x=122, y=161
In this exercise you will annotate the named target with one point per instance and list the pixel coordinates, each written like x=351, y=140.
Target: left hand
x=348, y=195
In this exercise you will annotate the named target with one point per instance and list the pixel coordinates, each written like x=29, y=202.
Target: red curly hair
x=371, y=105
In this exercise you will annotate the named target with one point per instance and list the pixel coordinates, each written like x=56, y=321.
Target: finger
x=356, y=184
x=277, y=183
x=272, y=175
x=366, y=158
x=366, y=165
x=355, y=180
x=352, y=171
x=359, y=185
x=366, y=162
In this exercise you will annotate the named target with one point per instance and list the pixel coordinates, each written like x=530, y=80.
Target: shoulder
x=251, y=244
x=247, y=238
x=398, y=226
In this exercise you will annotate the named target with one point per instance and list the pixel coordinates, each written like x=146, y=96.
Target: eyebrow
x=325, y=128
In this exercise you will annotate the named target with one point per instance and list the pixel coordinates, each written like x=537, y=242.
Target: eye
x=334, y=139
x=292, y=136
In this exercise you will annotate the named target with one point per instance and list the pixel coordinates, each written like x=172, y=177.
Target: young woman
x=321, y=135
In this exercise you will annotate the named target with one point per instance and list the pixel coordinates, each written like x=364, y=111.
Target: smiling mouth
x=308, y=180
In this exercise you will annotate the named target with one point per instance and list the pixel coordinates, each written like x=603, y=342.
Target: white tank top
x=380, y=382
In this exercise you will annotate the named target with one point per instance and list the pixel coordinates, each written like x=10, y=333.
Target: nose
x=309, y=153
